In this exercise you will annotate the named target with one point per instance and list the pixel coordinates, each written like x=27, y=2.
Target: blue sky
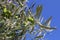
x=51, y=8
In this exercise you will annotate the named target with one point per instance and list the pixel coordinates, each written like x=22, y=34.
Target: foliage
x=15, y=21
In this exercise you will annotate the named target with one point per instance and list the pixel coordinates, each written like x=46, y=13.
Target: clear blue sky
x=51, y=8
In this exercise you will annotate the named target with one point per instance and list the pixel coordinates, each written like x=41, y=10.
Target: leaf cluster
x=15, y=22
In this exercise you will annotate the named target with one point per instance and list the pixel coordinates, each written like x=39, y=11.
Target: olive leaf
x=39, y=36
x=45, y=27
x=47, y=21
x=32, y=6
x=38, y=11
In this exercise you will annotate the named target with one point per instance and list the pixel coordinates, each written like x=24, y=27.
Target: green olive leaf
x=38, y=11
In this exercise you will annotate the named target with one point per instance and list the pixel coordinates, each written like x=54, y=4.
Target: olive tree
x=16, y=19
